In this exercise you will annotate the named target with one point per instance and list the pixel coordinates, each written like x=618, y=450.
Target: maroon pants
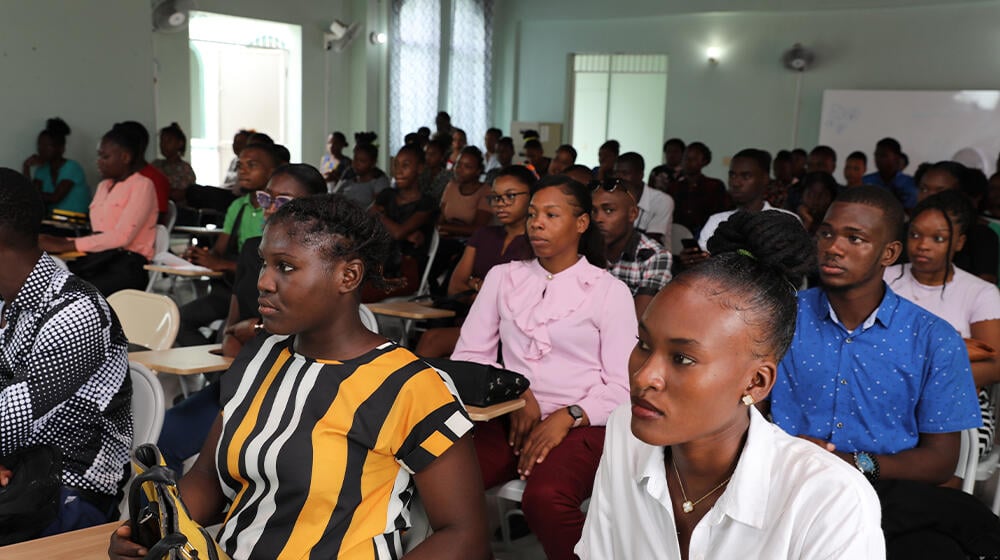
x=556, y=487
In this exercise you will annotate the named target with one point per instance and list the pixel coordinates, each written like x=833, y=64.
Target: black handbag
x=30, y=501
x=481, y=384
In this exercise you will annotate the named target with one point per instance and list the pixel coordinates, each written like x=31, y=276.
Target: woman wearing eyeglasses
x=567, y=324
x=488, y=247
x=185, y=425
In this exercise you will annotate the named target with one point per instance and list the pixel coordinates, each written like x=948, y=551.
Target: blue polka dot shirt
x=901, y=373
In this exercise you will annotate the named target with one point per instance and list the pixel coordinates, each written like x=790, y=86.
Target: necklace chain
x=688, y=505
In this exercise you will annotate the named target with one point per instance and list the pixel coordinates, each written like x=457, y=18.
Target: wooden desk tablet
x=409, y=310
x=85, y=544
x=70, y=255
x=189, y=360
x=197, y=230
x=482, y=414
x=186, y=272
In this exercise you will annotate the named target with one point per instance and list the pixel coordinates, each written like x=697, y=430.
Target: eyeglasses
x=508, y=198
x=265, y=200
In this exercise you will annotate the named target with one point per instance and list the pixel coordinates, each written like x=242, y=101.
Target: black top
x=245, y=285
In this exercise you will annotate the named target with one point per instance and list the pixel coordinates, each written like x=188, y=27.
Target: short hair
x=880, y=198
x=424, y=131
x=519, y=173
x=21, y=210
x=338, y=135
x=799, y=152
x=783, y=156
x=57, y=130
x=591, y=244
x=612, y=145
x=823, y=178
x=414, y=150
x=758, y=260
x=139, y=134
x=127, y=138
x=890, y=144
x=444, y=115
x=506, y=141
x=825, y=151
x=411, y=138
x=281, y=154
x=175, y=131
x=259, y=138
x=341, y=230
x=475, y=153
x=305, y=175
x=706, y=154
x=859, y=155
x=760, y=157
x=365, y=142
x=266, y=149
x=494, y=130
x=533, y=144
x=675, y=142
x=577, y=167
x=438, y=143
x=634, y=160
x=568, y=149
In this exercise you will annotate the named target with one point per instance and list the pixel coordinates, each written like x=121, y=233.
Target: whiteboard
x=930, y=125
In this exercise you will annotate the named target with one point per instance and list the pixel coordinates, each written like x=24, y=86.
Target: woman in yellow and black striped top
x=327, y=427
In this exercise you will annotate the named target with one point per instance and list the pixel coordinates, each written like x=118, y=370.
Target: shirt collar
x=745, y=498
x=32, y=292
x=882, y=314
x=631, y=247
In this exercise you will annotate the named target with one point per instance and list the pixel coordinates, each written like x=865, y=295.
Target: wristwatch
x=867, y=464
x=576, y=412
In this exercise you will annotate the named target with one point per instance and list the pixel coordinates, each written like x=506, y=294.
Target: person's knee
x=541, y=499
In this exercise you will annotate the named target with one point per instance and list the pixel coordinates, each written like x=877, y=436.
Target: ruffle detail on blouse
x=533, y=301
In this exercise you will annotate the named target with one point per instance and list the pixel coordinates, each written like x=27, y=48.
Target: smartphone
x=689, y=243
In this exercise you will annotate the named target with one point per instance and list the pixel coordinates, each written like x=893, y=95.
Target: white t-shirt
x=715, y=219
x=965, y=300
x=788, y=498
x=656, y=213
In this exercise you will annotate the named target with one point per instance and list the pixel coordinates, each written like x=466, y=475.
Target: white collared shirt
x=715, y=219
x=656, y=214
x=788, y=498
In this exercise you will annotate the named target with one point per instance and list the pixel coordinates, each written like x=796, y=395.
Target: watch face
x=575, y=411
x=865, y=463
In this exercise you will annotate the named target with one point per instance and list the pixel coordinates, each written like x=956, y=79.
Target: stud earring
x=747, y=400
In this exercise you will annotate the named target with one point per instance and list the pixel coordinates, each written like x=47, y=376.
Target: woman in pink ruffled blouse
x=568, y=325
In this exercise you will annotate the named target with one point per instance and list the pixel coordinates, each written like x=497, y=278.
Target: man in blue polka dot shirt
x=872, y=377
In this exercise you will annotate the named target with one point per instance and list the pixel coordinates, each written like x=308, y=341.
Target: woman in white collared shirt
x=691, y=469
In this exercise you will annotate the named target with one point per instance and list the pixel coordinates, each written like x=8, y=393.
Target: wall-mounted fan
x=340, y=36
x=798, y=58
x=171, y=16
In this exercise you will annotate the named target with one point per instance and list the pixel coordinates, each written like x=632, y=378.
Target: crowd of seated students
x=562, y=267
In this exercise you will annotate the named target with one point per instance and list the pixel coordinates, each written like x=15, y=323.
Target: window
x=414, y=66
x=416, y=53
x=621, y=97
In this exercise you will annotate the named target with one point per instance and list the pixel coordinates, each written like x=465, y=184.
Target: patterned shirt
x=316, y=457
x=644, y=265
x=901, y=373
x=64, y=378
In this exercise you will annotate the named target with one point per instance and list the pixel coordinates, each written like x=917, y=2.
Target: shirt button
x=843, y=382
x=849, y=340
x=840, y=424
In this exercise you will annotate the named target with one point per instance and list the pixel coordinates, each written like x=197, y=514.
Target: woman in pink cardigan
x=123, y=217
x=568, y=325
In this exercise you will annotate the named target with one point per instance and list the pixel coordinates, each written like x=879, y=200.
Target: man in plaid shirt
x=633, y=257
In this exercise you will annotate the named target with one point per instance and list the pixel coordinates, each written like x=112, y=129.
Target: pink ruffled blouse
x=569, y=333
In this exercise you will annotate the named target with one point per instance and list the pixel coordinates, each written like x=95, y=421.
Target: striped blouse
x=316, y=457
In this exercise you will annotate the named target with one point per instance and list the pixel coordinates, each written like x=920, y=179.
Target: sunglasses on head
x=610, y=185
x=265, y=200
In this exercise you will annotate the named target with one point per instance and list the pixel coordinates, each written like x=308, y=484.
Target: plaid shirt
x=64, y=378
x=644, y=265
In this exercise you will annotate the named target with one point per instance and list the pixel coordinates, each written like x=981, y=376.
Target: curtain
x=414, y=67
x=470, y=72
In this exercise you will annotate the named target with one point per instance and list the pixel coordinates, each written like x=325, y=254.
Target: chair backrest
x=171, y=215
x=432, y=249
x=147, y=405
x=148, y=319
x=162, y=242
x=678, y=232
x=368, y=318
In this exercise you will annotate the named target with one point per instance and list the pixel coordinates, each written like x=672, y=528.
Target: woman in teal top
x=61, y=180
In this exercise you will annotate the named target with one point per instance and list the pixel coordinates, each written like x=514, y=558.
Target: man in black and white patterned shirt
x=64, y=376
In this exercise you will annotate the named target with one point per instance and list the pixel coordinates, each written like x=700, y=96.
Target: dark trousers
x=924, y=521
x=186, y=426
x=79, y=512
x=555, y=489
x=201, y=313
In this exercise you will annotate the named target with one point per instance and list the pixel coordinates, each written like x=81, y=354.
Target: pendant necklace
x=688, y=505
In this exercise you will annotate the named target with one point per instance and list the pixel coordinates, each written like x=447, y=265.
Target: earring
x=747, y=400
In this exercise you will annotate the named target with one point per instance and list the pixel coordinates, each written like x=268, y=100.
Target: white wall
x=87, y=62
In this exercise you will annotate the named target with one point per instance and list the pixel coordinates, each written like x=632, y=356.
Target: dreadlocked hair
x=340, y=230
x=758, y=261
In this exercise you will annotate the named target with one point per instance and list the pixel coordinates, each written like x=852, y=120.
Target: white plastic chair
x=971, y=468
x=432, y=249
x=368, y=318
x=513, y=491
x=160, y=245
x=147, y=405
x=151, y=320
x=171, y=218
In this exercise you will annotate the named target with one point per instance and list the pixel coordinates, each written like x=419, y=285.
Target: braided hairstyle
x=340, y=230
x=758, y=261
x=591, y=244
x=958, y=213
